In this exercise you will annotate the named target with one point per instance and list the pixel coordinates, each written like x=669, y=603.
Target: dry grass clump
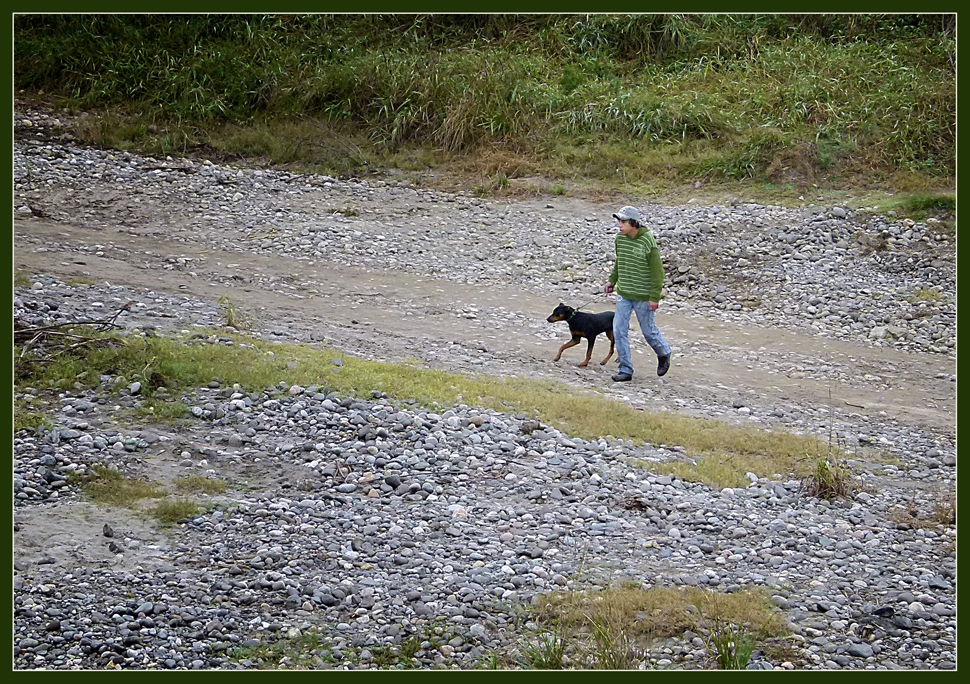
x=945, y=508
x=942, y=511
x=614, y=627
x=658, y=612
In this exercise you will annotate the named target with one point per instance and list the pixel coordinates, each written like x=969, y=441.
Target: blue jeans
x=621, y=331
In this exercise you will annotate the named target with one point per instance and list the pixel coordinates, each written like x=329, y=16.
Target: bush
x=881, y=85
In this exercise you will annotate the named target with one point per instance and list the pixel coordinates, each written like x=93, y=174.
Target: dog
x=582, y=325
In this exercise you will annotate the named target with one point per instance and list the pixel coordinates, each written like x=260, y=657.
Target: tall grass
x=879, y=86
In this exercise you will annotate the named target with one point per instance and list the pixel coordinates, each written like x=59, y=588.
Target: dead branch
x=52, y=340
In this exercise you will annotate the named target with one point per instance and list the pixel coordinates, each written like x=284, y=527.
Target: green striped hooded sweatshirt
x=638, y=273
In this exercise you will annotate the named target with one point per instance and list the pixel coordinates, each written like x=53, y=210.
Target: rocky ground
x=370, y=522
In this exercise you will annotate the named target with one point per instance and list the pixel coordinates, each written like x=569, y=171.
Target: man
x=637, y=279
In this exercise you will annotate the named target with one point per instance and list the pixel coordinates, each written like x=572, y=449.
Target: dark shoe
x=663, y=364
x=622, y=377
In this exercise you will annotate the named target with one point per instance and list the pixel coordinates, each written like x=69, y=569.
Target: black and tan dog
x=584, y=325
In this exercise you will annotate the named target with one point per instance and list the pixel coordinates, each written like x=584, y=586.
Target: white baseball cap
x=627, y=214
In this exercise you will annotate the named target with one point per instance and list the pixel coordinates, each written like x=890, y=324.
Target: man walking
x=637, y=279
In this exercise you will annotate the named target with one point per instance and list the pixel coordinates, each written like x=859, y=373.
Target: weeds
x=728, y=634
x=309, y=650
x=28, y=418
x=232, y=317
x=732, y=645
x=496, y=660
x=408, y=649
x=545, y=650
x=383, y=657
x=942, y=512
x=945, y=509
x=828, y=479
x=613, y=647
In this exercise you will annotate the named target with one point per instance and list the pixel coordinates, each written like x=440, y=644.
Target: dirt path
x=393, y=315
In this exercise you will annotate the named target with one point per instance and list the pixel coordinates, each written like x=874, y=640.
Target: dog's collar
x=575, y=311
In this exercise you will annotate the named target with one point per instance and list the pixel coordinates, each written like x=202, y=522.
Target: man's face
x=626, y=228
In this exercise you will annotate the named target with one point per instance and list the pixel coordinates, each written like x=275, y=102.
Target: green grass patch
x=112, y=488
x=722, y=454
x=173, y=510
x=919, y=206
x=79, y=281
x=308, y=651
x=28, y=417
x=927, y=294
x=21, y=278
x=108, y=487
x=162, y=409
x=189, y=484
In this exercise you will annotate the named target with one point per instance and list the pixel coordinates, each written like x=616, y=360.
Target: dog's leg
x=572, y=343
x=589, y=351
x=609, y=334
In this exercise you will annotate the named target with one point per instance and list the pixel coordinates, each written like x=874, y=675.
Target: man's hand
x=609, y=288
x=653, y=306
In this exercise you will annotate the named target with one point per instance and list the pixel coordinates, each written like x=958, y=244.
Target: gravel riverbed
x=368, y=522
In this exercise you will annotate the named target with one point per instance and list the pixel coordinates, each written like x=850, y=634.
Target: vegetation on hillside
x=800, y=99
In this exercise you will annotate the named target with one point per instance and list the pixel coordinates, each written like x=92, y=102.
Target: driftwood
x=49, y=341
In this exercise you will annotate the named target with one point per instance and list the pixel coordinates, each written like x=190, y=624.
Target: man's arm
x=656, y=275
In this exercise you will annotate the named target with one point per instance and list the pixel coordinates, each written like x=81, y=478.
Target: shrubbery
x=864, y=90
